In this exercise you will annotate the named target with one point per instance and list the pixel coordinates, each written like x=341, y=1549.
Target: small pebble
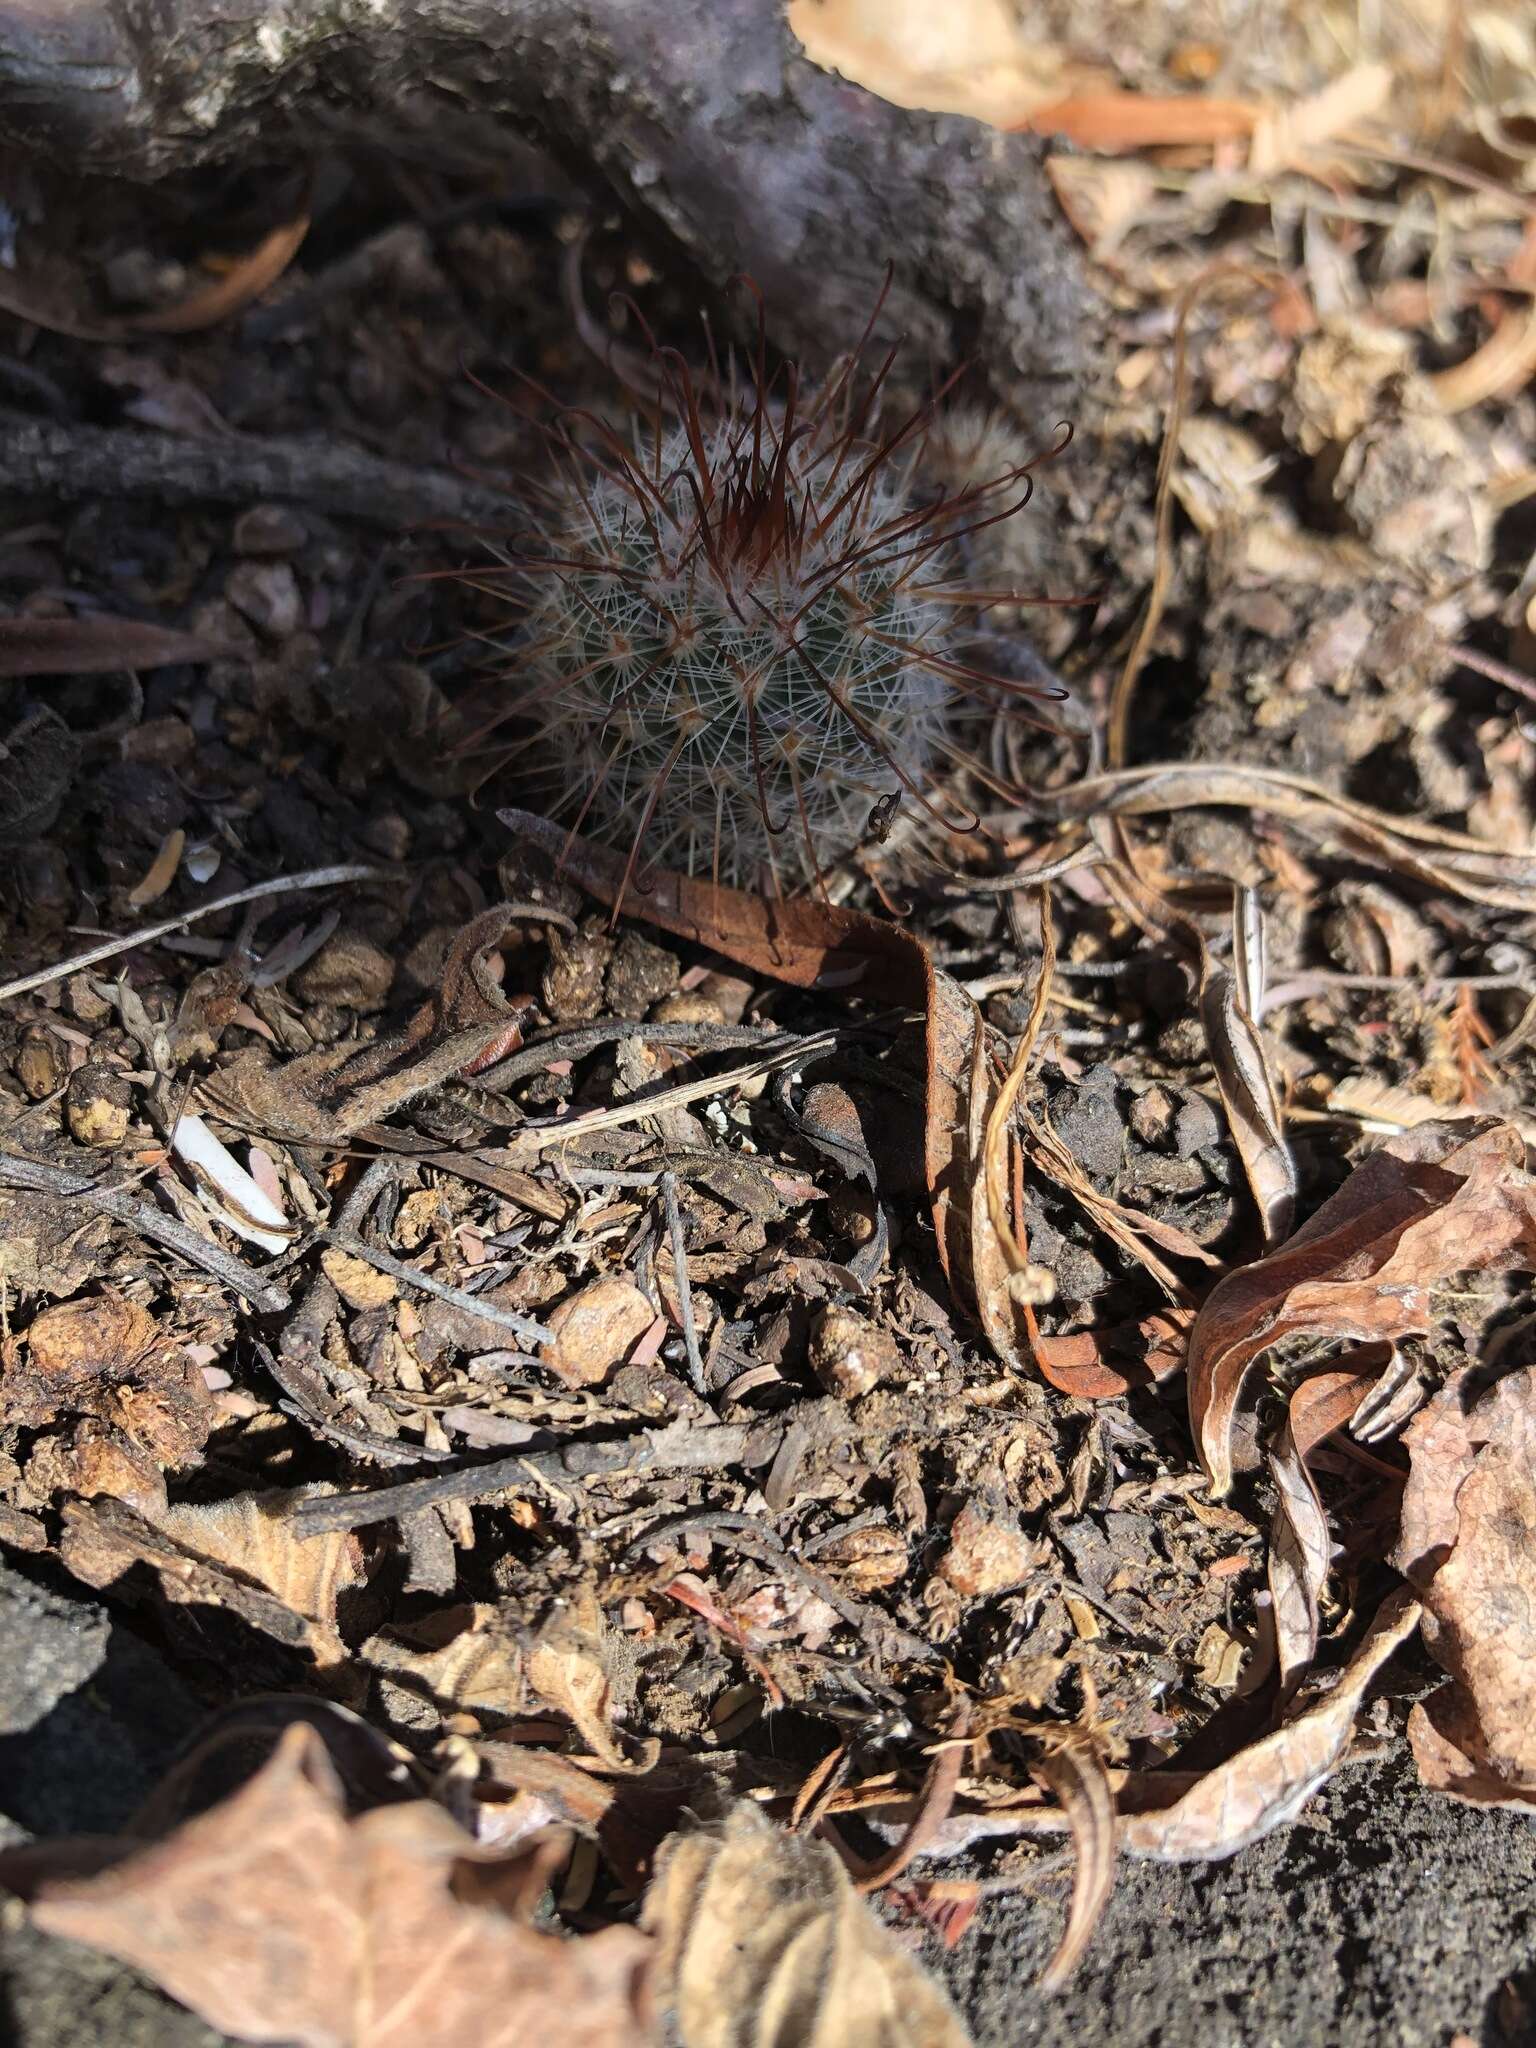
x=849, y=1354
x=41, y=1062
x=688, y=1006
x=349, y=972
x=268, y=530
x=266, y=593
x=595, y=1330
x=988, y=1551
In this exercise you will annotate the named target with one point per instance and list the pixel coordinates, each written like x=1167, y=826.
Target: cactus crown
x=747, y=629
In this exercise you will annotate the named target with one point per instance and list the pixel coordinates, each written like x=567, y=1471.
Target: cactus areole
x=748, y=623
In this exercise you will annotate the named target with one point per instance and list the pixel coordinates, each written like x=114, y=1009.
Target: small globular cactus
x=748, y=623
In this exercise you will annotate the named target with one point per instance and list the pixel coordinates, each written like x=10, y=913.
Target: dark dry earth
x=1384, y=1915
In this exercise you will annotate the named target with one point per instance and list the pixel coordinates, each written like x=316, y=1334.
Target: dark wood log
x=701, y=116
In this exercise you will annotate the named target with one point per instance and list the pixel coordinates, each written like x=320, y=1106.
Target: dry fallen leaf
x=803, y=941
x=1430, y=1203
x=279, y=1919
x=1466, y=1542
x=336, y=1091
x=1452, y=861
x=970, y=57
x=243, y=1553
x=40, y=300
x=568, y=1668
x=97, y=644
x=463, y=1659
x=1268, y=1783
x=761, y=1941
x=1285, y=134
x=1171, y=1816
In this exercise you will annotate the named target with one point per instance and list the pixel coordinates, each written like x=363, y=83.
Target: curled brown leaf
x=1269, y=1782
x=1469, y=1508
x=278, y=1918
x=1432, y=1202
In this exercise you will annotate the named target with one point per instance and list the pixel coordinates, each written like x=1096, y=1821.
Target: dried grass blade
x=1228, y=1004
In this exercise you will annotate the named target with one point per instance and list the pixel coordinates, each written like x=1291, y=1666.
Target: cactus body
x=745, y=639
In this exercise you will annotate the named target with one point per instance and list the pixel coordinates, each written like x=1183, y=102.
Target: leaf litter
x=714, y=1406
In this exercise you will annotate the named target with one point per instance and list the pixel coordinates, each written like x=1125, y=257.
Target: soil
x=1384, y=1914
x=858, y=1504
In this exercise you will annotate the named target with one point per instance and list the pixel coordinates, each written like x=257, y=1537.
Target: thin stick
x=40, y=1178
x=684, y=1284
x=280, y=885
x=527, y=1329
x=676, y=1448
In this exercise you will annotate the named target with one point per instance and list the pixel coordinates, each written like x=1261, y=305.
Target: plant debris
x=650, y=1411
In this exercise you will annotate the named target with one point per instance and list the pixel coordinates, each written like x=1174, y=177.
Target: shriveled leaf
x=802, y=941
x=1260, y=1788
x=97, y=645
x=1463, y=866
x=463, y=1659
x=1466, y=1542
x=567, y=1667
x=761, y=1939
x=1299, y=1551
x=239, y=284
x=106, y=1358
x=331, y=1094
x=279, y=1919
x=1075, y=1772
x=1432, y=1202
x=243, y=1553
x=1229, y=999
x=41, y=300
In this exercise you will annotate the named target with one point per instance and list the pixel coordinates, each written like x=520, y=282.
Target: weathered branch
x=701, y=116
x=52, y=460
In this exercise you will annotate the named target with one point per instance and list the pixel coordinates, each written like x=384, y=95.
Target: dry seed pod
x=98, y=1102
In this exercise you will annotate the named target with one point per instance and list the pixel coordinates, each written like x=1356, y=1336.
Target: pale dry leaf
x=1466, y=1542
x=1299, y=1553
x=100, y=644
x=1103, y=201
x=464, y=1659
x=969, y=57
x=1267, y=1784
x=243, y=1553
x=279, y=1919
x=762, y=1942
x=1285, y=134
x=1431, y=1202
x=568, y=1667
